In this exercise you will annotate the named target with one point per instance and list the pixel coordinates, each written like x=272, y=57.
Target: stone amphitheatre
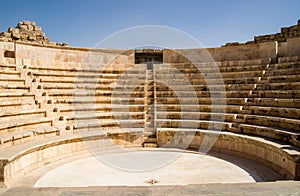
x=149, y=121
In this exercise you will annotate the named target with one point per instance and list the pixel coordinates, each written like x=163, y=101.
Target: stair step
x=150, y=145
x=150, y=140
x=149, y=132
x=233, y=129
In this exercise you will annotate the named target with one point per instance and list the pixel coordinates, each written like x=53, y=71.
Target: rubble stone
x=27, y=31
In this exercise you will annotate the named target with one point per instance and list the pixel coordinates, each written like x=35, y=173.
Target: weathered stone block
x=37, y=28
x=30, y=27
x=16, y=35
x=31, y=38
x=23, y=27
x=25, y=22
x=5, y=34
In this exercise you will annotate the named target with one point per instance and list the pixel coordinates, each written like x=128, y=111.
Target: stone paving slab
x=263, y=188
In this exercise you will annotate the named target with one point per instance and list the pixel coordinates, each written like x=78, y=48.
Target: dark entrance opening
x=9, y=54
x=149, y=57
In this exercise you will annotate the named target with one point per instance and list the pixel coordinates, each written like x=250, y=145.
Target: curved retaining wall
x=284, y=159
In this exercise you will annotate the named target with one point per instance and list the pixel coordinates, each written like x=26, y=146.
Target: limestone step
x=287, y=71
x=6, y=67
x=274, y=102
x=289, y=59
x=150, y=140
x=200, y=108
x=283, y=123
x=196, y=116
x=279, y=94
x=88, y=74
x=283, y=78
x=280, y=134
x=150, y=132
x=150, y=145
x=280, y=86
x=12, y=81
x=274, y=111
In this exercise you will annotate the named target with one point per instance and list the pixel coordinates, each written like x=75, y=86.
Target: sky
x=83, y=23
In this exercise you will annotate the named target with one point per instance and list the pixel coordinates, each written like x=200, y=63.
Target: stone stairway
x=42, y=98
x=150, y=139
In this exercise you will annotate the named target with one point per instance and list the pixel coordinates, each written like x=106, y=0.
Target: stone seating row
x=166, y=106
x=274, y=111
x=27, y=135
x=197, y=88
x=86, y=115
x=99, y=107
x=195, y=115
x=18, y=105
x=171, y=73
x=279, y=86
x=279, y=94
x=9, y=74
x=289, y=59
x=105, y=124
x=83, y=76
x=12, y=81
x=244, y=63
x=273, y=121
x=86, y=70
x=275, y=102
x=229, y=64
x=15, y=115
x=195, y=124
x=275, y=133
x=8, y=67
x=282, y=79
x=189, y=68
x=23, y=124
x=182, y=80
x=222, y=94
x=283, y=71
x=7, y=88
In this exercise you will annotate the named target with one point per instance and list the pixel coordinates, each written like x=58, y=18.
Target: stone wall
x=265, y=50
x=230, y=53
x=6, y=46
x=27, y=31
x=289, y=48
x=286, y=33
x=59, y=56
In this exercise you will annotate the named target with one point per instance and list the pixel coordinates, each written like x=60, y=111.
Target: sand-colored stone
x=57, y=101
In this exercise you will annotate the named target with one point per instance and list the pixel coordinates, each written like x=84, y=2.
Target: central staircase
x=150, y=139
